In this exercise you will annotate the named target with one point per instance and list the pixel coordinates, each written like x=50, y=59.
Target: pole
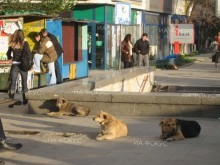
x=119, y=60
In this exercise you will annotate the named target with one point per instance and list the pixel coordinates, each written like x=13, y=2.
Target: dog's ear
x=105, y=117
x=177, y=122
x=63, y=100
x=161, y=122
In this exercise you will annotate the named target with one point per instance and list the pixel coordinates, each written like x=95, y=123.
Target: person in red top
x=217, y=38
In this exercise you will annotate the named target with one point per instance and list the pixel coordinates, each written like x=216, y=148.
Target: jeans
x=58, y=72
x=51, y=67
x=143, y=60
x=13, y=78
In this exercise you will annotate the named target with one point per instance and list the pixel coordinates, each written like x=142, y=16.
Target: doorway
x=96, y=51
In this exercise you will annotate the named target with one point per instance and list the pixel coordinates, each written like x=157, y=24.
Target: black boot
x=11, y=146
x=11, y=95
x=25, y=101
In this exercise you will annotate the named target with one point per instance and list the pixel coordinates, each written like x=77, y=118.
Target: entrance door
x=91, y=46
x=96, y=50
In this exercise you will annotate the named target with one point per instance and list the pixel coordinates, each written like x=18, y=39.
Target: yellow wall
x=30, y=28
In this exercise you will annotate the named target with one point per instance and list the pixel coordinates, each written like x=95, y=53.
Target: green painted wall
x=99, y=13
x=96, y=13
x=133, y=17
x=110, y=14
x=83, y=13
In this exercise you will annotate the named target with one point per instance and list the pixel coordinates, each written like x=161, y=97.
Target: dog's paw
x=99, y=138
x=169, y=139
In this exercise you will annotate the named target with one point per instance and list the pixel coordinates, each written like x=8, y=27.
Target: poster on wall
x=182, y=33
x=7, y=27
x=122, y=13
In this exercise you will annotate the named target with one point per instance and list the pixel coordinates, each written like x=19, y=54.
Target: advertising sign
x=7, y=27
x=182, y=33
x=122, y=13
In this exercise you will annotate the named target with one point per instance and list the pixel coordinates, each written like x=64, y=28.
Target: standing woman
x=18, y=46
x=126, y=48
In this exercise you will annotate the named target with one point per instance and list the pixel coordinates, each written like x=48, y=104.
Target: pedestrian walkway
x=202, y=73
x=71, y=140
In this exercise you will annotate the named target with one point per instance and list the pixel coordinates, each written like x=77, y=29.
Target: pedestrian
x=4, y=142
x=45, y=53
x=217, y=54
x=126, y=51
x=142, y=48
x=18, y=46
x=59, y=51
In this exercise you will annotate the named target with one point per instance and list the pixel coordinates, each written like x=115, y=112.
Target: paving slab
x=70, y=141
x=203, y=73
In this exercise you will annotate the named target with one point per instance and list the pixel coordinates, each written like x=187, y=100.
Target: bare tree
x=201, y=13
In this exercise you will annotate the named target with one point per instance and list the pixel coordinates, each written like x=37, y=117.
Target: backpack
x=214, y=46
x=26, y=59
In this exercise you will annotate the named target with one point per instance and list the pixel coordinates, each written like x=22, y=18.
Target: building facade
x=105, y=32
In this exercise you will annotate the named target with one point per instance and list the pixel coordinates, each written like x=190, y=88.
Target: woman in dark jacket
x=17, y=46
x=126, y=49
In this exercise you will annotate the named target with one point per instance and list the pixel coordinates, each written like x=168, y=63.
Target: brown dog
x=111, y=128
x=70, y=109
x=176, y=129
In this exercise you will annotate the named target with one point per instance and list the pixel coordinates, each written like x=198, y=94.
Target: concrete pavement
x=70, y=140
x=203, y=73
x=78, y=147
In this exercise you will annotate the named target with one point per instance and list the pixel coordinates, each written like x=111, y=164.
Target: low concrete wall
x=140, y=83
x=135, y=104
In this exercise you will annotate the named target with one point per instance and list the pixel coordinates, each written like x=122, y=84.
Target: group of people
x=47, y=52
x=141, y=48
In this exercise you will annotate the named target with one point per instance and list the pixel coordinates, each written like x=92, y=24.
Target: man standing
x=141, y=48
x=59, y=51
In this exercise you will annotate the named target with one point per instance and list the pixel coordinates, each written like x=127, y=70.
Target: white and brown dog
x=111, y=128
x=70, y=109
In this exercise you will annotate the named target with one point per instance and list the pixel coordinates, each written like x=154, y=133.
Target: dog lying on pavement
x=176, y=129
x=111, y=128
x=70, y=109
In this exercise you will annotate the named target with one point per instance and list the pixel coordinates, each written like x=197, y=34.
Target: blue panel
x=55, y=27
x=66, y=71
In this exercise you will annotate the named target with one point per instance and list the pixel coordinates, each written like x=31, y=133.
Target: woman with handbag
x=19, y=47
x=126, y=49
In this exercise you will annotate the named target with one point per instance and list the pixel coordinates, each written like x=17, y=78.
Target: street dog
x=70, y=109
x=111, y=128
x=176, y=129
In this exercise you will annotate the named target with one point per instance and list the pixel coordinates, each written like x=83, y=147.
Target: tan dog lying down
x=70, y=109
x=111, y=128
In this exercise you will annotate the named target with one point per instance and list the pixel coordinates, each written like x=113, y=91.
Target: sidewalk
x=51, y=147
x=203, y=73
x=46, y=143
